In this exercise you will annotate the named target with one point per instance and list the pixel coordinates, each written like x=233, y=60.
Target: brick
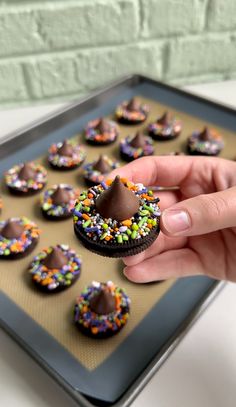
x=89, y=23
x=172, y=17
x=221, y=15
x=97, y=67
x=18, y=32
x=201, y=55
x=51, y=76
x=12, y=84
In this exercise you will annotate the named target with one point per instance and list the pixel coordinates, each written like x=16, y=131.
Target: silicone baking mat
x=51, y=315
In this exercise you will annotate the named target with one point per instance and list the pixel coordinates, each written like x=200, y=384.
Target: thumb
x=201, y=214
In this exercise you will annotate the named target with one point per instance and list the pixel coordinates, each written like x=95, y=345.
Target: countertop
x=202, y=369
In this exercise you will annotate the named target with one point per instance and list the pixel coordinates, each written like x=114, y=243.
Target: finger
x=161, y=244
x=171, y=264
x=201, y=214
x=156, y=170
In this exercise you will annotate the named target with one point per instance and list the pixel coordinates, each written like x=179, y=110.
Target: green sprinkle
x=68, y=282
x=76, y=218
x=78, y=207
x=105, y=226
x=149, y=208
x=86, y=208
x=103, y=236
x=87, y=223
x=149, y=220
x=134, y=226
x=142, y=221
x=82, y=197
x=128, y=231
x=134, y=234
x=7, y=252
x=150, y=193
x=119, y=239
x=144, y=212
x=125, y=237
x=154, y=222
x=69, y=276
x=46, y=206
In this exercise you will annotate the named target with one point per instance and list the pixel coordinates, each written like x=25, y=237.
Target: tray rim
x=154, y=365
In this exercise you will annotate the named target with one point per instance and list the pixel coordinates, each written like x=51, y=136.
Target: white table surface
x=201, y=372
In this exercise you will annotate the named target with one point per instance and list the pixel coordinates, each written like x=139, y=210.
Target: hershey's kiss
x=12, y=230
x=103, y=303
x=27, y=172
x=56, y=259
x=164, y=120
x=134, y=105
x=205, y=135
x=66, y=149
x=138, y=141
x=117, y=202
x=102, y=165
x=60, y=196
x=103, y=126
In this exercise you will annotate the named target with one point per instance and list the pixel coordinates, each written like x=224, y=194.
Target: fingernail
x=176, y=221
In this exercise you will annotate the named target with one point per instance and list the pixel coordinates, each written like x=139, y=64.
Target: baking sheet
x=54, y=312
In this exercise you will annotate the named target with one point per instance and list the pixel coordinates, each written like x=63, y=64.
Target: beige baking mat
x=54, y=312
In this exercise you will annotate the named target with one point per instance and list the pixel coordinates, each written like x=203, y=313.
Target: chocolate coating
x=26, y=172
x=12, y=230
x=56, y=259
x=103, y=126
x=205, y=135
x=138, y=141
x=60, y=196
x=66, y=149
x=101, y=165
x=103, y=303
x=134, y=105
x=164, y=120
x=117, y=202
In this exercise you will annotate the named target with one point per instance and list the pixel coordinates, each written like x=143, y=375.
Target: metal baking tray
x=122, y=375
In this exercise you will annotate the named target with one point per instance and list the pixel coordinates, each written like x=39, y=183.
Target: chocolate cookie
x=94, y=172
x=165, y=128
x=117, y=218
x=100, y=132
x=66, y=155
x=132, y=112
x=136, y=147
x=55, y=268
x=58, y=201
x=206, y=142
x=101, y=310
x=18, y=237
x=26, y=179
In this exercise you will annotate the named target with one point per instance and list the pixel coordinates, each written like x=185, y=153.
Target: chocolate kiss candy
x=103, y=126
x=60, y=196
x=133, y=105
x=205, y=135
x=102, y=166
x=138, y=141
x=117, y=202
x=66, y=150
x=164, y=119
x=56, y=259
x=103, y=303
x=12, y=230
x=27, y=172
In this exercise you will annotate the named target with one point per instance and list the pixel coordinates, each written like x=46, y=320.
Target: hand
x=198, y=222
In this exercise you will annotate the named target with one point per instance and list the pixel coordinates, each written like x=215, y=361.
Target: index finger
x=166, y=171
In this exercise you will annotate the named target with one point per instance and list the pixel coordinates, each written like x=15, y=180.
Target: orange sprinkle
x=149, y=225
x=94, y=330
x=108, y=238
x=90, y=195
x=87, y=202
x=85, y=216
x=126, y=222
x=109, y=182
x=47, y=281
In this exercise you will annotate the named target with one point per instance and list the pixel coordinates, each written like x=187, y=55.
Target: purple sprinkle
x=123, y=229
x=79, y=222
x=92, y=229
x=104, y=185
x=77, y=213
x=93, y=192
x=157, y=213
